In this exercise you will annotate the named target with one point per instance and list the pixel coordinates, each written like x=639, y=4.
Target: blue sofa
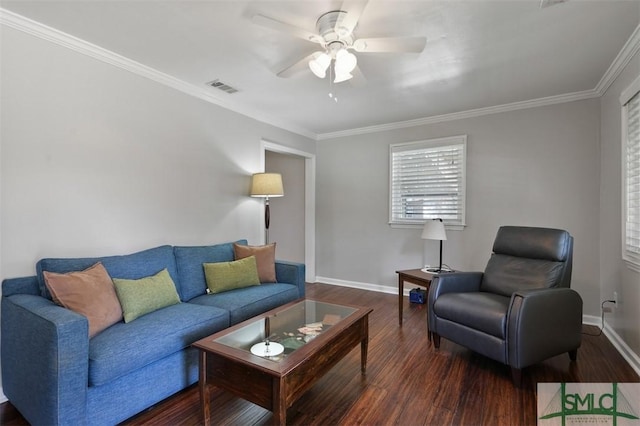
x=55, y=375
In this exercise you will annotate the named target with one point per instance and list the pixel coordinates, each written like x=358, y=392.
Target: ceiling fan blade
x=347, y=22
x=358, y=80
x=296, y=67
x=273, y=24
x=390, y=45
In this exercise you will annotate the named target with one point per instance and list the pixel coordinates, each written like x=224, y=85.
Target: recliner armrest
x=455, y=282
x=542, y=323
x=45, y=360
x=450, y=282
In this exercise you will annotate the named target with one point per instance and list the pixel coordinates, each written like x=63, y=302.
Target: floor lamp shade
x=266, y=185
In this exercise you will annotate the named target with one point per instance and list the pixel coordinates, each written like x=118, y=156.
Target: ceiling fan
x=335, y=35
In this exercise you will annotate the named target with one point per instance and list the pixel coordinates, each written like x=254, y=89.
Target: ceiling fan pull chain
x=331, y=95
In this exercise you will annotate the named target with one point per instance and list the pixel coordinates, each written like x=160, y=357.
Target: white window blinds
x=631, y=159
x=427, y=181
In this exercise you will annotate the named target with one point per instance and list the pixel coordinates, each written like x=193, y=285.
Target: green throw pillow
x=224, y=276
x=143, y=296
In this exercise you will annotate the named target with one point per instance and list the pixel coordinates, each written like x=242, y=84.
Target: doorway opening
x=293, y=216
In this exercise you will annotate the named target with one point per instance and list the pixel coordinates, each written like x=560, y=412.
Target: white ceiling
x=479, y=54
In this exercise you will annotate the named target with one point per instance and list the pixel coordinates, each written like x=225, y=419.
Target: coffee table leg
x=279, y=406
x=205, y=392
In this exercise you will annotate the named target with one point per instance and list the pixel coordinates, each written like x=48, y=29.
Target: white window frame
x=430, y=144
x=630, y=253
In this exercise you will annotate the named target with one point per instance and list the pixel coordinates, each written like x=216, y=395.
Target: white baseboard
x=627, y=353
x=2, y=397
x=362, y=286
x=592, y=320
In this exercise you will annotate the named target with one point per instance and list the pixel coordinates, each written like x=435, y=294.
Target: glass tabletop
x=276, y=336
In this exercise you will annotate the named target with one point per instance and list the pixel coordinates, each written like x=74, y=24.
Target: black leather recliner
x=520, y=311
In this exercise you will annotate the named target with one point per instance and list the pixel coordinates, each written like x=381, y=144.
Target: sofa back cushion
x=130, y=266
x=190, y=260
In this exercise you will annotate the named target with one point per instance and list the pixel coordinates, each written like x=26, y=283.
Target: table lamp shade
x=266, y=185
x=434, y=230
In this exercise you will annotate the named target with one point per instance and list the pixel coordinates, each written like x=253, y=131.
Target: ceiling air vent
x=549, y=3
x=222, y=86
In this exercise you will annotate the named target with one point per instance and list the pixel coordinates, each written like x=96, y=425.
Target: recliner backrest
x=528, y=258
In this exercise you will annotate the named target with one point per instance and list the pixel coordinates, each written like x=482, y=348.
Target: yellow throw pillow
x=225, y=276
x=265, y=259
x=145, y=295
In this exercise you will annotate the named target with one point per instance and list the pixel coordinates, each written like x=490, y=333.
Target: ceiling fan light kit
x=342, y=77
x=335, y=35
x=319, y=64
x=343, y=62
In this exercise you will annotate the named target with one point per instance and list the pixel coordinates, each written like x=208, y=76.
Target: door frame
x=309, y=200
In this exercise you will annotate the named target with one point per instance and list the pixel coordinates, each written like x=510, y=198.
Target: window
x=427, y=181
x=631, y=174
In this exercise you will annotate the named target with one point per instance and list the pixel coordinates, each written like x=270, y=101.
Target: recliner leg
x=436, y=340
x=573, y=355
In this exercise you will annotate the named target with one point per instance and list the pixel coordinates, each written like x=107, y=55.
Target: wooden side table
x=413, y=276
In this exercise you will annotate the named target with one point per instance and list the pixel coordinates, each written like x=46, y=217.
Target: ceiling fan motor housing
x=326, y=26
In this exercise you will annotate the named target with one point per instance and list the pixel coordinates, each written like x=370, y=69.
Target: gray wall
x=536, y=167
x=614, y=274
x=96, y=160
x=287, y=213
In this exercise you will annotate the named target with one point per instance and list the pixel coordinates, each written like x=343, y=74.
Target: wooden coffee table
x=315, y=336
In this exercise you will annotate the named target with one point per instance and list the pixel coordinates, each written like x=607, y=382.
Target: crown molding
x=630, y=48
x=37, y=29
x=76, y=44
x=514, y=106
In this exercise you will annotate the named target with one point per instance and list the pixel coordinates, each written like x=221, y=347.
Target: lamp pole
x=267, y=219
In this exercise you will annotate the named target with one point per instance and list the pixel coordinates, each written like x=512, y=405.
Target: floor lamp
x=434, y=230
x=266, y=185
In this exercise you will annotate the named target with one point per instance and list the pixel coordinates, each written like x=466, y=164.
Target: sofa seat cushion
x=125, y=347
x=480, y=311
x=245, y=303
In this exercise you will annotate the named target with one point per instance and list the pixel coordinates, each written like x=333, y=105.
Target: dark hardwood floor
x=407, y=382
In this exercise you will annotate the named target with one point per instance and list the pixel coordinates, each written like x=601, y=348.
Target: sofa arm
x=542, y=323
x=291, y=273
x=45, y=360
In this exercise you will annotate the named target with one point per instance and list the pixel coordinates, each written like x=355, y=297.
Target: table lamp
x=434, y=230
